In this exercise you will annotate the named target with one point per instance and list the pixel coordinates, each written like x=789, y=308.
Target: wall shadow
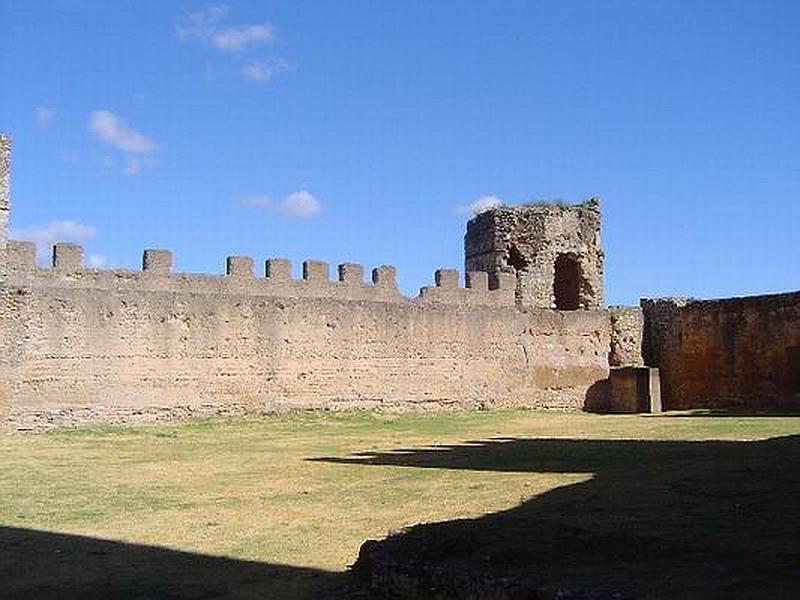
x=657, y=519
x=40, y=565
x=738, y=412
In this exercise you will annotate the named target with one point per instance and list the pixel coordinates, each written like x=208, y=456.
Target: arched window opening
x=566, y=282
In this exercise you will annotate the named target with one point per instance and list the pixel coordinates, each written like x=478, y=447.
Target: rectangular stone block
x=239, y=266
x=20, y=256
x=278, y=269
x=477, y=280
x=351, y=273
x=502, y=281
x=315, y=271
x=446, y=278
x=635, y=390
x=157, y=262
x=384, y=276
x=67, y=257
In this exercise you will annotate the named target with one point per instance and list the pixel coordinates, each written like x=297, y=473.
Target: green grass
x=246, y=490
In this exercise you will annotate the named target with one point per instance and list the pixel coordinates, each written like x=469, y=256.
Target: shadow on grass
x=38, y=565
x=657, y=519
x=736, y=412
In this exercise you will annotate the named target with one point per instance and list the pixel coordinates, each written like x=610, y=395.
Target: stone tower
x=553, y=249
x=5, y=187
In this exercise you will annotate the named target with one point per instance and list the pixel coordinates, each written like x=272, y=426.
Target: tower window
x=566, y=282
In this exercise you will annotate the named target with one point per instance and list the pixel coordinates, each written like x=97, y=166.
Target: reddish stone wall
x=725, y=353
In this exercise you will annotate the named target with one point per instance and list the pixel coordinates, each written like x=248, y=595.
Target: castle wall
x=82, y=345
x=738, y=352
x=5, y=187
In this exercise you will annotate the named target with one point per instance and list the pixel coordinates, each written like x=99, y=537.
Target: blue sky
x=360, y=131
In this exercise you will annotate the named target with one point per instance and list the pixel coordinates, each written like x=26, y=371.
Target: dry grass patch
x=246, y=490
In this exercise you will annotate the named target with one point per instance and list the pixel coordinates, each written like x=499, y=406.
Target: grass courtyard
x=278, y=507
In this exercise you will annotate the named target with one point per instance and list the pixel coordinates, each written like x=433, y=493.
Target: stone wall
x=738, y=352
x=5, y=187
x=83, y=345
x=552, y=249
x=627, y=331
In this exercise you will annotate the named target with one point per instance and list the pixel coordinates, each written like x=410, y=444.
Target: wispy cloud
x=137, y=148
x=54, y=231
x=205, y=26
x=299, y=205
x=44, y=115
x=239, y=38
x=97, y=261
x=263, y=71
x=479, y=205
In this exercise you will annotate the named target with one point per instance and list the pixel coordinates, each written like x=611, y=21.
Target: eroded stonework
x=81, y=345
x=552, y=249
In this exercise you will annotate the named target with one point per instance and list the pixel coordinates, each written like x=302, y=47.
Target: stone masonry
x=5, y=187
x=528, y=329
x=552, y=249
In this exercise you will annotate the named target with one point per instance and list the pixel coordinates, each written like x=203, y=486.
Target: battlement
x=67, y=270
x=479, y=289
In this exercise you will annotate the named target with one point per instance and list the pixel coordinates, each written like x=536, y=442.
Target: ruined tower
x=553, y=249
x=5, y=187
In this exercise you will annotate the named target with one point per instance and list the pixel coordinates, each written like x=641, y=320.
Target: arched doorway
x=566, y=282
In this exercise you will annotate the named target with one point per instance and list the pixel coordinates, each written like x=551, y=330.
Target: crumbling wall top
x=552, y=248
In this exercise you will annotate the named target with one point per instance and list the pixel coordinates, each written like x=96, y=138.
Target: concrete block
x=635, y=390
x=67, y=257
x=157, y=262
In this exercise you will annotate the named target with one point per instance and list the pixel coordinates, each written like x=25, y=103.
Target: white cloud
x=137, y=148
x=201, y=25
x=44, y=115
x=479, y=205
x=54, y=231
x=112, y=130
x=263, y=71
x=299, y=205
x=97, y=261
x=205, y=27
x=238, y=38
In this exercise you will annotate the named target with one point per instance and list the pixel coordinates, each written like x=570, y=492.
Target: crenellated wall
x=84, y=345
x=736, y=352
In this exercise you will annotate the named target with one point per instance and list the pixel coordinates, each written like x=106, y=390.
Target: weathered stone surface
x=385, y=574
x=627, y=328
x=5, y=187
x=553, y=249
x=738, y=352
x=157, y=262
x=75, y=344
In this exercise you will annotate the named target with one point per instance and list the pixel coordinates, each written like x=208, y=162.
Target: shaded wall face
x=86, y=346
x=554, y=251
x=726, y=353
